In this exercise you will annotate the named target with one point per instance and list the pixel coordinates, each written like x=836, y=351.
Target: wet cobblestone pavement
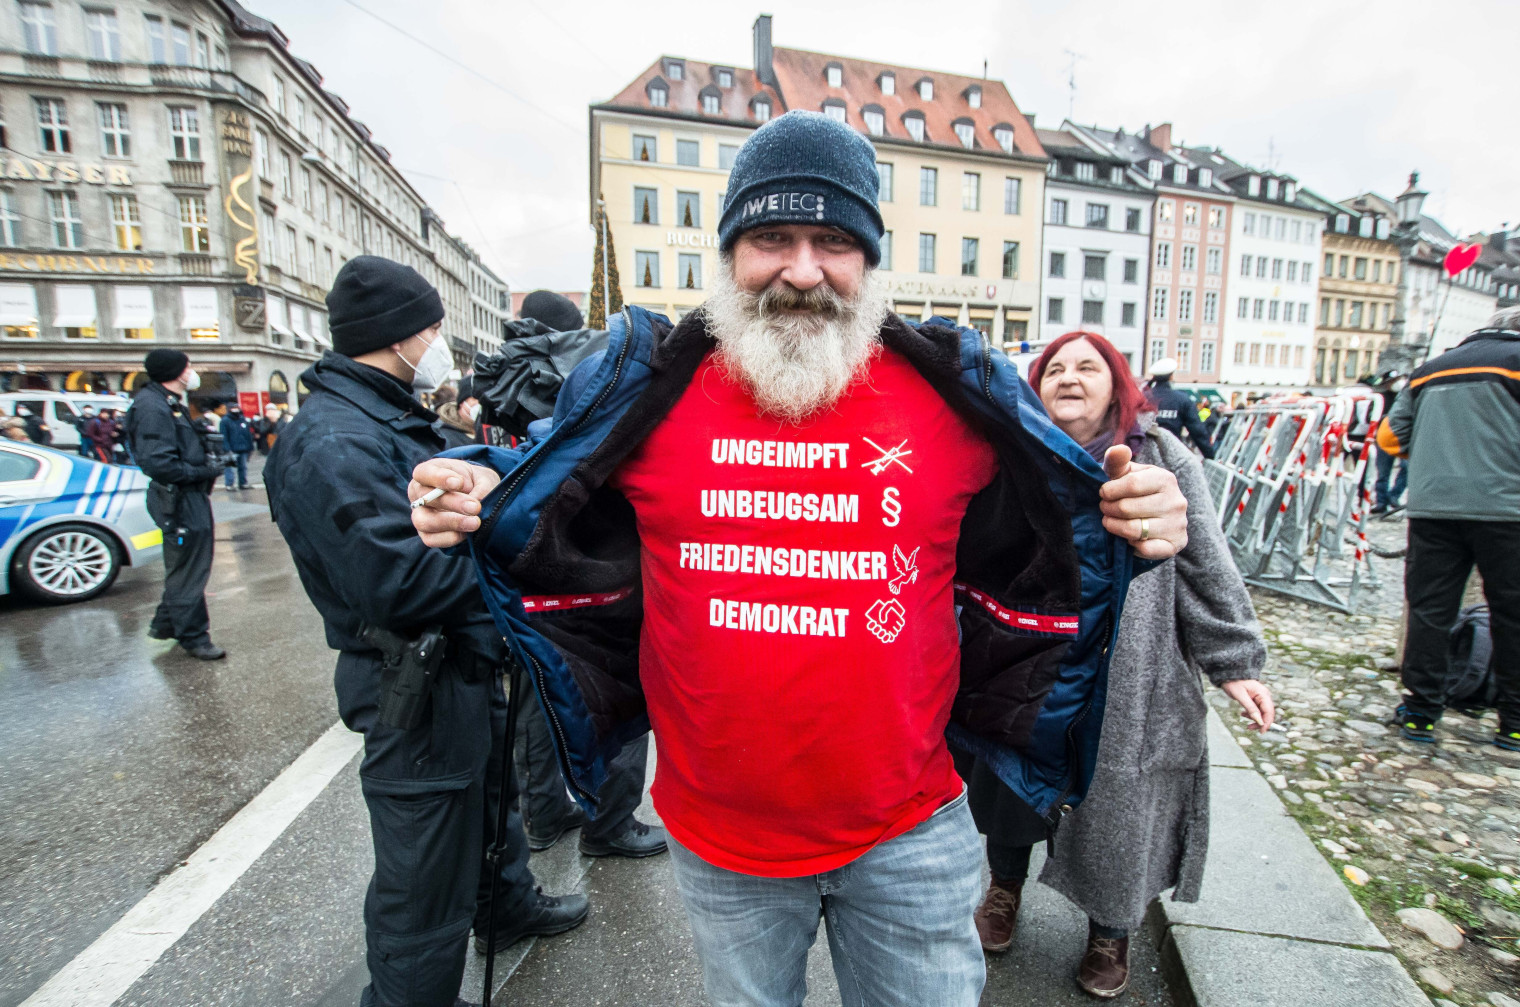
x=1431, y=828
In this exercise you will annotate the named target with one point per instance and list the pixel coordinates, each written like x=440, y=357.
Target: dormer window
x=888, y=83
x=1179, y=174
x=1205, y=177
x=1289, y=191
x=876, y=121
x=1271, y=188
x=723, y=76
x=1153, y=169
x=1253, y=185
x=712, y=101
x=659, y=93
x=834, y=109
x=1364, y=227
x=926, y=89
x=1116, y=175
x=834, y=73
x=965, y=132
x=1382, y=228
x=913, y=122
x=1085, y=171
x=760, y=108
x=1342, y=223
x=675, y=69
x=974, y=96
x=1003, y=134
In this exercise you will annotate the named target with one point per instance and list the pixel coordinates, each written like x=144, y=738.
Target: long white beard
x=795, y=363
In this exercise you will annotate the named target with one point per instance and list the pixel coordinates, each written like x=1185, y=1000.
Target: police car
x=68, y=524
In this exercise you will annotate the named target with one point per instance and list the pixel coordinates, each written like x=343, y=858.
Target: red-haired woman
x=1144, y=825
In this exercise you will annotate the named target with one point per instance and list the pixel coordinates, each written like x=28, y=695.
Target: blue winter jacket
x=1032, y=545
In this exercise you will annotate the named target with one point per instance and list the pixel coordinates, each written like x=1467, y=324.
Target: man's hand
x=446, y=521
x=1142, y=503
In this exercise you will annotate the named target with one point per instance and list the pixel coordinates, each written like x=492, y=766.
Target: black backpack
x=1470, y=683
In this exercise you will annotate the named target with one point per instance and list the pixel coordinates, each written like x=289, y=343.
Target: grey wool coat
x=1144, y=826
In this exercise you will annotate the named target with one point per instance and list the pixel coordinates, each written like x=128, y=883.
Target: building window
x=1261, y=267
x=1184, y=355
x=195, y=226
x=876, y=123
x=1255, y=353
x=969, y=250
x=974, y=96
x=1131, y=270
x=726, y=154
x=1158, y=304
x=1273, y=308
x=1243, y=308
x=1158, y=348
x=926, y=89
x=309, y=261
x=261, y=152
x=1010, y=260
x=712, y=103
x=659, y=96
x=1189, y=258
x=1097, y=215
x=644, y=148
x=1303, y=313
x=1277, y=269
x=202, y=50
x=675, y=71
x=1271, y=360
x=926, y=253
x=185, y=135
x=1127, y=314
x=886, y=251
x=1344, y=260
x=1164, y=255
x=1095, y=267
x=1240, y=353
x=646, y=269
x=287, y=180
x=834, y=74
x=10, y=220
x=1132, y=220
x=1058, y=209
x=53, y=125
x=965, y=132
x=762, y=109
x=115, y=136
x=68, y=228
x=646, y=206
x=1164, y=211
x=1085, y=171
x=1258, y=308
x=306, y=190
x=1216, y=220
x=689, y=153
x=915, y=127
x=725, y=78
x=1359, y=271
x=689, y=271
x=888, y=83
x=1011, y=195
x=324, y=202
x=1210, y=307
x=38, y=30
x=1293, y=271
x=1004, y=137
x=1058, y=264
x=1356, y=314
x=884, y=180
x=1206, y=358
x=1184, y=305
x=103, y=33
x=1092, y=312
x=835, y=110
x=179, y=47
x=1055, y=309
x=971, y=191
x=928, y=186
x=1179, y=174
x=688, y=209
x=1214, y=261
x=126, y=224
x=1190, y=214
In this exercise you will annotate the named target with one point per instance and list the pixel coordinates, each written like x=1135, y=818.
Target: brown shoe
x=1104, y=971
x=998, y=914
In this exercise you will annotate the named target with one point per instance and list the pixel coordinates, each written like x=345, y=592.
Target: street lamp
x=1407, y=237
x=1410, y=202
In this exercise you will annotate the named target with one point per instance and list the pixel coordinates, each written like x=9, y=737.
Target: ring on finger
x=1145, y=529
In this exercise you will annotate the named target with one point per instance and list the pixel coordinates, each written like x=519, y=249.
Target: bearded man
x=802, y=540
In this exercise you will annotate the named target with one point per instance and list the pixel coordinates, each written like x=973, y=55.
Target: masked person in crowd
x=82, y=424
x=36, y=429
x=798, y=537
x=1144, y=826
x=336, y=480
x=237, y=438
x=270, y=426
x=456, y=430
x=172, y=452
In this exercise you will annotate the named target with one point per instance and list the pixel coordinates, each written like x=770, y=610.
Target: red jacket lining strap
x=550, y=602
x=1063, y=625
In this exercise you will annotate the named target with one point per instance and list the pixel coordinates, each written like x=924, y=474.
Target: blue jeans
x=899, y=920
x=240, y=466
x=1381, y=496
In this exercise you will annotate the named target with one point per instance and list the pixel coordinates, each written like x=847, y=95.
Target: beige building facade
x=1358, y=285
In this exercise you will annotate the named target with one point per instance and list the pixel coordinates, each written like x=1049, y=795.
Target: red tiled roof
x=685, y=95
x=804, y=82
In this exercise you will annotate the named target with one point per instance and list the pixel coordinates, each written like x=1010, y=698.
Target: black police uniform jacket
x=171, y=452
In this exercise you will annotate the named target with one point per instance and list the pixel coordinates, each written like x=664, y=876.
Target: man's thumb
x=1116, y=460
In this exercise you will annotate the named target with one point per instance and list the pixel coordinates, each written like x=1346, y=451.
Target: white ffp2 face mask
x=193, y=381
x=432, y=370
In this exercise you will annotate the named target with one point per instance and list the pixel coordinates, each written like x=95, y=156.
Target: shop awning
x=319, y=328
x=274, y=309
x=18, y=304
x=74, y=306
x=134, y=307
x=298, y=321
x=201, y=308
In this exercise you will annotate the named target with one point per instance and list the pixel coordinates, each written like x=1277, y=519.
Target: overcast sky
x=1343, y=101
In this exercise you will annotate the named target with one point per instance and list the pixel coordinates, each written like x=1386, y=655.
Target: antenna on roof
x=1071, y=80
x=984, y=69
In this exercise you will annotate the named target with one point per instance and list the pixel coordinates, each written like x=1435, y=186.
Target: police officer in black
x=337, y=482
x=1175, y=409
x=171, y=449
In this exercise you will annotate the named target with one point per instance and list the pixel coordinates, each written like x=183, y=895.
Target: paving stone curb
x=1275, y=926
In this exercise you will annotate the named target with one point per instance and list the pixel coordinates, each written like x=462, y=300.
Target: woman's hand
x=1142, y=503
x=446, y=521
x=1255, y=701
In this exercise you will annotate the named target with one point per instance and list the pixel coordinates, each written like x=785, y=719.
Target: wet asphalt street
x=120, y=757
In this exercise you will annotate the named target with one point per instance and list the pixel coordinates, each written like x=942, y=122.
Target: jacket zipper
x=563, y=744
x=530, y=464
x=1060, y=806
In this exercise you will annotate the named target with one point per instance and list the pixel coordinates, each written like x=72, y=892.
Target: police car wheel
x=65, y=563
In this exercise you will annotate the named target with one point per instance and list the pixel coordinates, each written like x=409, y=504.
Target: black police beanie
x=375, y=303
x=165, y=365
x=555, y=310
x=804, y=168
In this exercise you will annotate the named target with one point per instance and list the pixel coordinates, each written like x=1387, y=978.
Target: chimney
x=1161, y=137
x=764, y=71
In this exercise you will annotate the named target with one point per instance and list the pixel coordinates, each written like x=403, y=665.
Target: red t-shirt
x=799, y=649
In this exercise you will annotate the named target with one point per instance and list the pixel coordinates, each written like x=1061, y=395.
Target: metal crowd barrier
x=1290, y=487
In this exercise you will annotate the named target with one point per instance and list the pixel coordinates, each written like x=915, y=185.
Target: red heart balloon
x=1462, y=256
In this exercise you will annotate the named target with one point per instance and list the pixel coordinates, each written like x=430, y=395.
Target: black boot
x=635, y=839
x=543, y=916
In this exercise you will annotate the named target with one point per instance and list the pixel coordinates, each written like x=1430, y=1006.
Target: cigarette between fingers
x=428, y=497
